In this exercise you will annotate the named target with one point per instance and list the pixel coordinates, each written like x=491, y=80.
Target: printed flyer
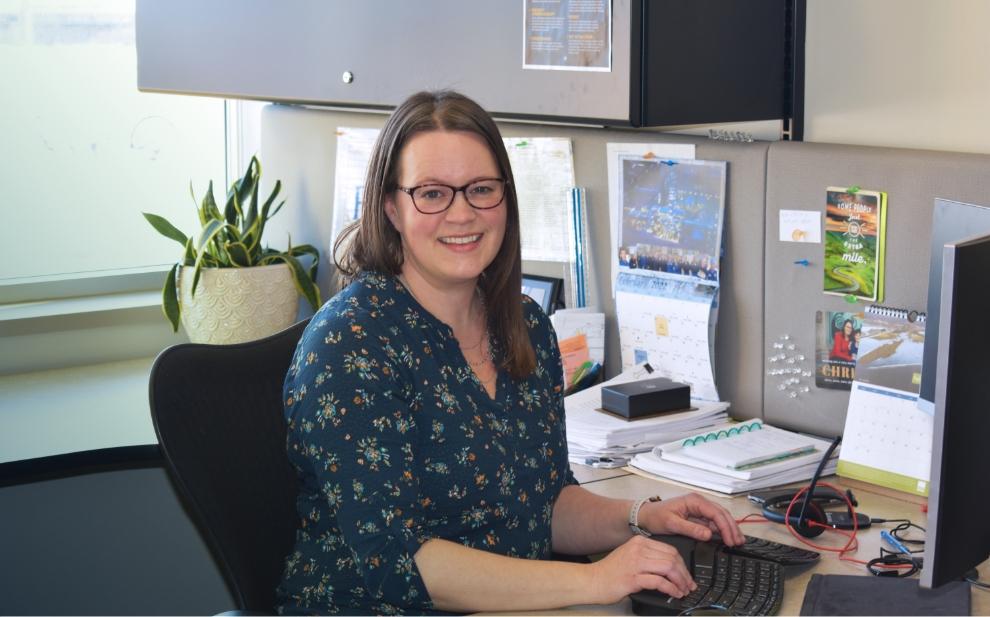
x=836, y=349
x=855, y=221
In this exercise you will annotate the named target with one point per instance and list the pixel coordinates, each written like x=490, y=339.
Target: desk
x=872, y=500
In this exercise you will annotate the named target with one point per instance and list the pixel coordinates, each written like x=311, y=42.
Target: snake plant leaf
x=210, y=232
x=189, y=258
x=252, y=212
x=265, y=215
x=304, y=284
x=238, y=254
x=248, y=184
x=232, y=211
x=170, y=299
x=312, y=251
x=165, y=228
x=209, y=210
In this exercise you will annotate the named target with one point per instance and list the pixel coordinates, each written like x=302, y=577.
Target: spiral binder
x=723, y=434
x=898, y=313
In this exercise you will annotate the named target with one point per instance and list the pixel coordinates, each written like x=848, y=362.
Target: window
x=84, y=153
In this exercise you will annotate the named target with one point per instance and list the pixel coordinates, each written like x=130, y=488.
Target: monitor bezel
x=941, y=556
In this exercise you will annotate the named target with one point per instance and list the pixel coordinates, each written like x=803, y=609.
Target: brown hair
x=377, y=247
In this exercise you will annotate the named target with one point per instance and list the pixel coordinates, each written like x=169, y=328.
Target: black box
x=636, y=399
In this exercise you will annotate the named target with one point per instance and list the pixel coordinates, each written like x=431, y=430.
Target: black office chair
x=217, y=411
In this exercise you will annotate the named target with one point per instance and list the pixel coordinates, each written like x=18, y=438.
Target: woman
x=425, y=408
x=841, y=342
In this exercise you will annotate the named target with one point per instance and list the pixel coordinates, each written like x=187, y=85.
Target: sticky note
x=800, y=226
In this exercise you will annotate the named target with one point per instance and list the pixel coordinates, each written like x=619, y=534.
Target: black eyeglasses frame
x=456, y=190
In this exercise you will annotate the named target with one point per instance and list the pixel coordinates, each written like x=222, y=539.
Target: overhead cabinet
x=672, y=61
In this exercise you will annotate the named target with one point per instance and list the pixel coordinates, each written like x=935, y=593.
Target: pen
x=897, y=544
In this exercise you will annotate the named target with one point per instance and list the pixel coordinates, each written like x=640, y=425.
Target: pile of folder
x=593, y=434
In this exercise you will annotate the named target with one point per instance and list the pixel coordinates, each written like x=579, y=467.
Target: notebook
x=748, y=445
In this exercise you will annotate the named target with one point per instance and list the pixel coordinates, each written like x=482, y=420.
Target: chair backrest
x=217, y=411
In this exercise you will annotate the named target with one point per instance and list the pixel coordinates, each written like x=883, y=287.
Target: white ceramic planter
x=233, y=305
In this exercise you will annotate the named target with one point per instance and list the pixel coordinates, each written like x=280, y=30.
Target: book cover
x=854, y=237
x=836, y=348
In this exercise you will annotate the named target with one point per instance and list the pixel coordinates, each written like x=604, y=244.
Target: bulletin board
x=797, y=177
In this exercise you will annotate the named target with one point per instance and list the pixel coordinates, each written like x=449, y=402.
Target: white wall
x=900, y=73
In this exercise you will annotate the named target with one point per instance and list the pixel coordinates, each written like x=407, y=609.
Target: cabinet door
x=299, y=50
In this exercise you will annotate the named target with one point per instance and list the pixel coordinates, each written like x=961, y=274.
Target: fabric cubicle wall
x=299, y=147
x=797, y=176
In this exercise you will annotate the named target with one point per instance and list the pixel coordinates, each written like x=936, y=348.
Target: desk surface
x=875, y=502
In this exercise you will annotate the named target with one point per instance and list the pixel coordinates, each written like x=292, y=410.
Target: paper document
x=571, y=322
x=666, y=323
x=591, y=431
x=354, y=147
x=543, y=172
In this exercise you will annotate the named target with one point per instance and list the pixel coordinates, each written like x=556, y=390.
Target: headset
x=812, y=519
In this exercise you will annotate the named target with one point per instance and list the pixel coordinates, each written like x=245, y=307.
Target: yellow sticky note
x=660, y=323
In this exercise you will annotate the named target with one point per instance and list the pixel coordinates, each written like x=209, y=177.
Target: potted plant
x=228, y=288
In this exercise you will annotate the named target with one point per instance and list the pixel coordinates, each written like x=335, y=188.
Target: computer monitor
x=547, y=291
x=958, y=531
x=952, y=220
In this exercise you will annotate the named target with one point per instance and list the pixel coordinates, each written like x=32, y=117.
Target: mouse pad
x=834, y=594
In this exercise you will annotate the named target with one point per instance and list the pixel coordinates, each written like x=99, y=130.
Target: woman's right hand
x=641, y=563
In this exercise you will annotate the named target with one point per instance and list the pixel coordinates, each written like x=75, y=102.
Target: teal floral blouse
x=396, y=442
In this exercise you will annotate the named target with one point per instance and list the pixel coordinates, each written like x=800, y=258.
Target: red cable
x=851, y=545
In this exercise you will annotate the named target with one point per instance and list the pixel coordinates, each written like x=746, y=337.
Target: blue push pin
x=802, y=262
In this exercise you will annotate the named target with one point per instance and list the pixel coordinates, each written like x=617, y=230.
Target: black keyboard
x=785, y=555
x=739, y=585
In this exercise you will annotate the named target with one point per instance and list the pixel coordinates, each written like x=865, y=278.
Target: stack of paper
x=594, y=433
x=730, y=460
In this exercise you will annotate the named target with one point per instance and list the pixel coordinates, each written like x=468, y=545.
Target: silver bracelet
x=634, y=515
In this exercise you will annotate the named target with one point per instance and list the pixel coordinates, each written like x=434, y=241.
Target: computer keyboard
x=739, y=585
x=785, y=555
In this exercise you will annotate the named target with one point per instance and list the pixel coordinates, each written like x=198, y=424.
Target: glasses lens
x=485, y=193
x=433, y=197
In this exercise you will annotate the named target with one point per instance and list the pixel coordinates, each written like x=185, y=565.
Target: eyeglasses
x=483, y=194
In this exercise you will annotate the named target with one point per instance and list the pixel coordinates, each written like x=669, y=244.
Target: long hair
x=372, y=244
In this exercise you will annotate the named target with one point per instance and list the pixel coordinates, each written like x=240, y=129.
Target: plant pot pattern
x=234, y=305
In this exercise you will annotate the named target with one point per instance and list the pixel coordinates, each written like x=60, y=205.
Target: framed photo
x=546, y=291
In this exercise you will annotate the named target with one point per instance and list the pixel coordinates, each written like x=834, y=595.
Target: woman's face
x=454, y=246
x=847, y=328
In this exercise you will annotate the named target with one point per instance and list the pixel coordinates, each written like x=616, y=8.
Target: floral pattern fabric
x=395, y=442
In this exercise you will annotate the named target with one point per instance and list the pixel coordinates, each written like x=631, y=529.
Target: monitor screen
x=547, y=291
x=953, y=220
x=958, y=531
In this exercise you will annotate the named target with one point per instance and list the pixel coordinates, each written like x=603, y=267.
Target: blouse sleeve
x=352, y=426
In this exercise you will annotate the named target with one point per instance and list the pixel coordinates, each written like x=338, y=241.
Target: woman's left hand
x=690, y=515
